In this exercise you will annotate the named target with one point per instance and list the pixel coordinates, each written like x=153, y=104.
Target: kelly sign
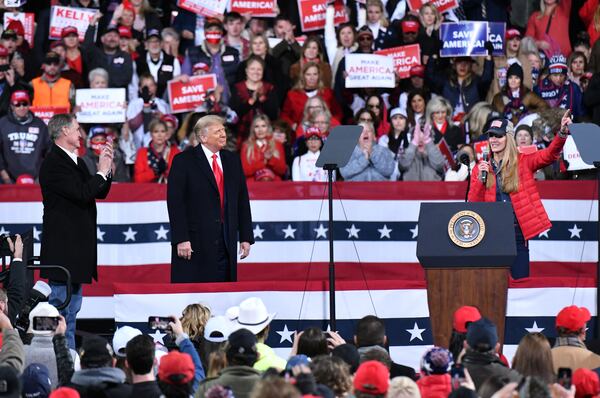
x=370, y=70
x=61, y=17
x=101, y=105
x=496, y=34
x=404, y=57
x=208, y=8
x=463, y=39
x=46, y=112
x=256, y=8
x=312, y=14
x=185, y=97
x=28, y=21
x=441, y=5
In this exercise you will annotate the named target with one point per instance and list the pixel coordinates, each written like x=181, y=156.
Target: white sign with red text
x=256, y=8
x=28, y=21
x=312, y=14
x=208, y=8
x=370, y=71
x=185, y=97
x=61, y=17
x=441, y=5
x=101, y=105
x=573, y=157
x=405, y=57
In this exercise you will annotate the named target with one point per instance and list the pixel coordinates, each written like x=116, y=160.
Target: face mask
x=213, y=37
x=97, y=143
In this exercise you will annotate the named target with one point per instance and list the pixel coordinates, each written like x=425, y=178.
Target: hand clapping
x=106, y=159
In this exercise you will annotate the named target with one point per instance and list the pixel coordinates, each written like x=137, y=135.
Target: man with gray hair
x=69, y=195
x=209, y=208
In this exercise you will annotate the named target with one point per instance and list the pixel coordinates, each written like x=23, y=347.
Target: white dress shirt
x=209, y=155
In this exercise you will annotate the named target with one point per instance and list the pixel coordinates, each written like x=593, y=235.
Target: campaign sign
x=405, y=57
x=46, y=112
x=208, y=8
x=256, y=8
x=28, y=21
x=185, y=97
x=463, y=39
x=312, y=14
x=61, y=17
x=572, y=155
x=101, y=105
x=441, y=5
x=480, y=147
x=496, y=34
x=449, y=162
x=370, y=70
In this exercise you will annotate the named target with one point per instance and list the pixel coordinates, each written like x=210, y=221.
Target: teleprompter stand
x=336, y=153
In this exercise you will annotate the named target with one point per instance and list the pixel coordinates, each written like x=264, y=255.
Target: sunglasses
x=495, y=135
x=20, y=104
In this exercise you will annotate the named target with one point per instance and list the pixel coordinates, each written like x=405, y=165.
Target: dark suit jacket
x=194, y=213
x=69, y=194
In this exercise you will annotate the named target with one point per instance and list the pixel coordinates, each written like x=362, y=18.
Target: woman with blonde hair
x=377, y=22
x=263, y=158
x=509, y=177
x=313, y=106
x=439, y=115
x=403, y=387
x=534, y=358
x=429, y=38
x=474, y=121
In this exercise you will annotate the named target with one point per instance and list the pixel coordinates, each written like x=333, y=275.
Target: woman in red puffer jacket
x=510, y=179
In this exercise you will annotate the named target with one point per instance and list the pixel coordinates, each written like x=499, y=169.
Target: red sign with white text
x=208, y=8
x=28, y=21
x=479, y=148
x=46, y=112
x=256, y=8
x=405, y=57
x=441, y=5
x=185, y=97
x=61, y=17
x=312, y=14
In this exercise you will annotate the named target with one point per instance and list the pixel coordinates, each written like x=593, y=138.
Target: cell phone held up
x=563, y=377
x=457, y=376
x=45, y=323
x=159, y=323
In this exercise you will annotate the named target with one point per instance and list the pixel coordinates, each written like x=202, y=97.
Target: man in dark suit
x=209, y=209
x=69, y=194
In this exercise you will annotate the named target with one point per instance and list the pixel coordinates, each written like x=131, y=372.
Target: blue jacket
x=186, y=346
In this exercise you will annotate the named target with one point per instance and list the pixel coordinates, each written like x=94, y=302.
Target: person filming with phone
x=13, y=294
x=505, y=175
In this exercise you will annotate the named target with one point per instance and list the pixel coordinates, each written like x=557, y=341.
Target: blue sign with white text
x=463, y=39
x=497, y=34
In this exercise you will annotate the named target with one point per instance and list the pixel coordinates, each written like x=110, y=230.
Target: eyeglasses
x=495, y=135
x=21, y=104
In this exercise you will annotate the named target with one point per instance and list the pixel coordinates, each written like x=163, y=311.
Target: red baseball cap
x=170, y=119
x=410, y=26
x=17, y=26
x=64, y=392
x=69, y=30
x=462, y=316
x=201, y=66
x=178, y=364
x=19, y=96
x=512, y=33
x=586, y=383
x=3, y=51
x=417, y=71
x=57, y=43
x=573, y=318
x=372, y=377
x=312, y=132
x=25, y=179
x=125, y=31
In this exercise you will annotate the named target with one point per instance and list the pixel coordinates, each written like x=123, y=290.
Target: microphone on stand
x=486, y=158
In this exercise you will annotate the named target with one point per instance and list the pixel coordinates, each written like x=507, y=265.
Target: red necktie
x=219, y=178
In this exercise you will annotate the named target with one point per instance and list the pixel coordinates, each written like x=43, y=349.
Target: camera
x=159, y=322
x=39, y=292
x=45, y=323
x=4, y=67
x=4, y=247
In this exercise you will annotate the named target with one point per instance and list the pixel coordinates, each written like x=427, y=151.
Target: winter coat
x=435, y=386
x=529, y=102
x=417, y=166
x=230, y=59
x=500, y=69
x=567, y=96
x=558, y=29
x=266, y=104
x=586, y=13
x=379, y=167
x=111, y=381
x=471, y=91
x=257, y=163
x=293, y=107
x=483, y=365
x=241, y=380
x=143, y=172
x=573, y=357
x=591, y=98
x=526, y=201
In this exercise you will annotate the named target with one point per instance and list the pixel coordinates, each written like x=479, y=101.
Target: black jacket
x=69, y=195
x=119, y=65
x=230, y=59
x=194, y=208
x=482, y=366
x=591, y=98
x=165, y=72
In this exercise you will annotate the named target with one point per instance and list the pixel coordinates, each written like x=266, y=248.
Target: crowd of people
x=225, y=355
x=281, y=90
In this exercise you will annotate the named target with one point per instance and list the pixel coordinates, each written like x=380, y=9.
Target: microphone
x=486, y=158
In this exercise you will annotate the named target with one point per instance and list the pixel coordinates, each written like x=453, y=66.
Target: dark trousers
x=222, y=267
x=520, y=266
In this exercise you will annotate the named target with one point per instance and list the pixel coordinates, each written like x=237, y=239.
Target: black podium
x=466, y=250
